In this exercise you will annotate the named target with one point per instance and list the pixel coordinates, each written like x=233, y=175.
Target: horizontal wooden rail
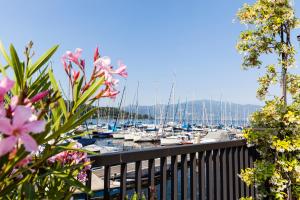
x=117, y=158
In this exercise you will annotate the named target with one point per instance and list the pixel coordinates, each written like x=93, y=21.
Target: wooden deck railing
x=207, y=171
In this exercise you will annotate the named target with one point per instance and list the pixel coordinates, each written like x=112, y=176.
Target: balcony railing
x=199, y=171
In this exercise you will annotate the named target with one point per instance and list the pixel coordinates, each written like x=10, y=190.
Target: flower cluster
x=37, y=165
x=68, y=158
x=102, y=67
x=18, y=120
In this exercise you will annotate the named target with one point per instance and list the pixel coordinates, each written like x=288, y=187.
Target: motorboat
x=176, y=140
x=215, y=136
x=145, y=137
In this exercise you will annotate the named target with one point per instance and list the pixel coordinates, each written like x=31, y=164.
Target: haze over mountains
x=198, y=110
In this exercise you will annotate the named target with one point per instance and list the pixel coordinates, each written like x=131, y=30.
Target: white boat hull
x=128, y=137
x=118, y=136
x=141, y=138
x=169, y=141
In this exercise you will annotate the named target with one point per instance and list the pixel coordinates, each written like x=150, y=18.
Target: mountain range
x=198, y=110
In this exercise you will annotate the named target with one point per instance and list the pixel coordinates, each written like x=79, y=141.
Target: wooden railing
x=208, y=171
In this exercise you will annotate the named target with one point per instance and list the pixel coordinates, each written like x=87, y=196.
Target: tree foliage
x=275, y=129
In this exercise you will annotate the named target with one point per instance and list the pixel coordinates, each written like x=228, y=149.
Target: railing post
x=217, y=169
x=123, y=181
x=138, y=178
x=236, y=171
x=224, y=173
x=246, y=166
x=202, y=178
x=107, y=182
x=163, y=178
x=230, y=174
x=88, y=182
x=174, y=178
x=251, y=164
x=193, y=177
x=184, y=178
x=242, y=166
x=151, y=174
x=209, y=175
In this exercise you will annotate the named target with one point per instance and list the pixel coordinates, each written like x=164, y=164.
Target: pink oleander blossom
x=96, y=54
x=5, y=85
x=75, y=75
x=73, y=57
x=2, y=111
x=102, y=68
x=39, y=96
x=104, y=65
x=23, y=122
x=122, y=70
x=111, y=93
x=67, y=158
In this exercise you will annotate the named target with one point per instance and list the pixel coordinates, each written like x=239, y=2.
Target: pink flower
x=104, y=66
x=67, y=158
x=96, y=54
x=5, y=85
x=122, y=70
x=111, y=93
x=25, y=161
x=2, y=111
x=67, y=67
x=75, y=76
x=39, y=96
x=14, y=102
x=111, y=83
x=82, y=65
x=18, y=128
x=73, y=57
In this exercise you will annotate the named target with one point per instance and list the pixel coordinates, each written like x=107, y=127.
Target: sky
x=189, y=43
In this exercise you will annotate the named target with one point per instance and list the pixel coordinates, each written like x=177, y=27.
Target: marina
x=143, y=138
x=125, y=139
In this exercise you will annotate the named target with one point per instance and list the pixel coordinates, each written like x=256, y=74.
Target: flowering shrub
x=275, y=129
x=38, y=160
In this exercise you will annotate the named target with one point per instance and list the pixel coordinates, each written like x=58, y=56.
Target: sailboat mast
x=167, y=109
x=203, y=113
x=119, y=108
x=210, y=112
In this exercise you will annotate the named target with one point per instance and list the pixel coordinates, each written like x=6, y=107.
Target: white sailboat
x=176, y=140
x=145, y=137
x=215, y=136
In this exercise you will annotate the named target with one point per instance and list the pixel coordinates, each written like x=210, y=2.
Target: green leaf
x=38, y=85
x=61, y=101
x=17, y=66
x=3, y=69
x=72, y=181
x=41, y=61
x=88, y=93
x=77, y=88
x=28, y=189
x=74, y=121
x=5, y=55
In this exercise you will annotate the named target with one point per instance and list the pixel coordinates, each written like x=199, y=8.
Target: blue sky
x=191, y=42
